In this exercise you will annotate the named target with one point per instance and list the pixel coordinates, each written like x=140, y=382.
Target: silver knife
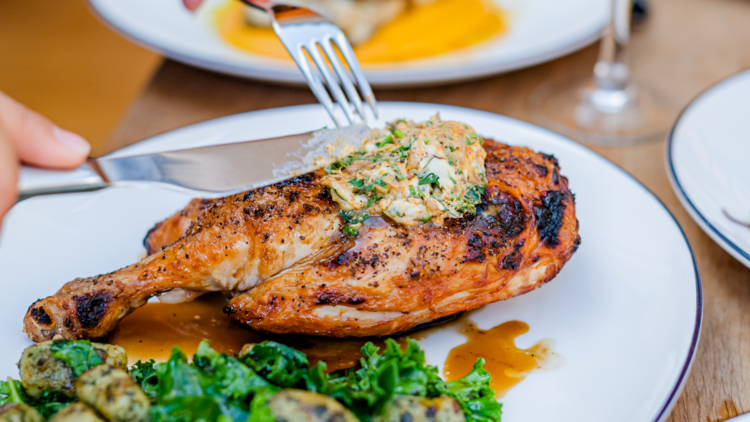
x=209, y=172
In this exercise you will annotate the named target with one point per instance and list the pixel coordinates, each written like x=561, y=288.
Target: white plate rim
x=377, y=78
x=712, y=231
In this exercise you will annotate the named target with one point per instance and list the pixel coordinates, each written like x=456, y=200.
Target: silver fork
x=304, y=31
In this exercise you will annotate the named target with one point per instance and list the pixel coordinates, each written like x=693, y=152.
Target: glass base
x=615, y=117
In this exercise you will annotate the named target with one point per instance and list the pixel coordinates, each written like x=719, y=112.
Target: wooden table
x=687, y=46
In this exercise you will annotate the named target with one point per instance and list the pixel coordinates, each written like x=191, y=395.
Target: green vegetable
x=144, y=374
x=215, y=387
x=357, y=183
x=342, y=163
x=373, y=199
x=222, y=388
x=349, y=230
x=474, y=194
x=474, y=394
x=12, y=391
x=387, y=140
x=351, y=218
x=279, y=364
x=428, y=179
x=377, y=182
x=78, y=355
x=399, y=134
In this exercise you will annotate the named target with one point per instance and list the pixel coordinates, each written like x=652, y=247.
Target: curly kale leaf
x=473, y=393
x=12, y=391
x=368, y=389
x=51, y=402
x=215, y=387
x=144, y=374
x=229, y=377
x=279, y=364
x=78, y=355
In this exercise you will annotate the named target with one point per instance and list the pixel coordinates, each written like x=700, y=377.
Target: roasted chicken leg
x=280, y=253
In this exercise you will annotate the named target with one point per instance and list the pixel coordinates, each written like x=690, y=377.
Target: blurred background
x=59, y=60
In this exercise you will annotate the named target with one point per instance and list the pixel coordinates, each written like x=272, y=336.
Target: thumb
x=36, y=140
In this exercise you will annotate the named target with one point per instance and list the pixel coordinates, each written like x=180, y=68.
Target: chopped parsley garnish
x=412, y=172
x=428, y=179
x=357, y=183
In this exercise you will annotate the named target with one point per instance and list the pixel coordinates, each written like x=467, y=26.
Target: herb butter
x=411, y=172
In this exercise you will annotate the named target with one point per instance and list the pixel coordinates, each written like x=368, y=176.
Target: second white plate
x=540, y=30
x=708, y=162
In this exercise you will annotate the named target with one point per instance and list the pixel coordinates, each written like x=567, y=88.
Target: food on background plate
x=297, y=257
x=358, y=19
x=380, y=30
x=265, y=382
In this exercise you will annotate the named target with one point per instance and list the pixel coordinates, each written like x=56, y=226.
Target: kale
x=215, y=387
x=368, y=389
x=473, y=393
x=223, y=388
x=78, y=355
x=12, y=391
x=50, y=403
x=144, y=374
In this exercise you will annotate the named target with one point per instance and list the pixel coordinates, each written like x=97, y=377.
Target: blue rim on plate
x=677, y=389
x=732, y=248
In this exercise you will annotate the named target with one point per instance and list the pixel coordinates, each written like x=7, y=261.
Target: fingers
x=192, y=5
x=8, y=176
x=36, y=140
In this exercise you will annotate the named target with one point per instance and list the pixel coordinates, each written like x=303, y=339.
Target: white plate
x=625, y=311
x=708, y=161
x=540, y=30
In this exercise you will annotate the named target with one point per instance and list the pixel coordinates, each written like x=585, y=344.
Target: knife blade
x=211, y=171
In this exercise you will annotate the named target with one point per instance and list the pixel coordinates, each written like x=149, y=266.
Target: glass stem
x=611, y=70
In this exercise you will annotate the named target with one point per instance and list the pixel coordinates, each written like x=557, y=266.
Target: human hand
x=192, y=4
x=30, y=138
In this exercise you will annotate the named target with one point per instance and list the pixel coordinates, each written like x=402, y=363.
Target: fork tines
x=306, y=35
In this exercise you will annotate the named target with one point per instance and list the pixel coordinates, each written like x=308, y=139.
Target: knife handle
x=34, y=181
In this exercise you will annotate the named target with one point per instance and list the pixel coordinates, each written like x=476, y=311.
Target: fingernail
x=72, y=141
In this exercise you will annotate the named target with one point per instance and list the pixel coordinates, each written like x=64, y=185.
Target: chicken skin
x=280, y=254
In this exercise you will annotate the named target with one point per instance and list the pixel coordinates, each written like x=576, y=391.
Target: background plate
x=540, y=30
x=625, y=311
x=708, y=161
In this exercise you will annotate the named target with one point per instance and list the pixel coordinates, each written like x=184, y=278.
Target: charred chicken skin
x=279, y=252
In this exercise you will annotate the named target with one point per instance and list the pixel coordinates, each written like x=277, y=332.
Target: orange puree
x=421, y=31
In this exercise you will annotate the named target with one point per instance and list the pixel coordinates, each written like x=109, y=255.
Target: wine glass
x=608, y=108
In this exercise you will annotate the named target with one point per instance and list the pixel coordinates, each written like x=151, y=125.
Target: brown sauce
x=508, y=364
x=150, y=332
